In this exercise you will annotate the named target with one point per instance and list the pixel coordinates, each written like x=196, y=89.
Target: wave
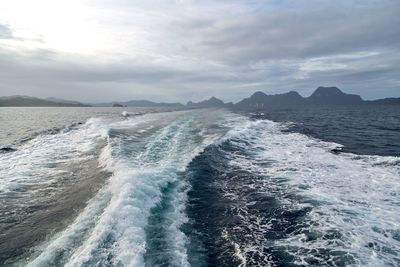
x=200, y=187
x=14, y=146
x=284, y=198
x=45, y=183
x=146, y=155
x=32, y=164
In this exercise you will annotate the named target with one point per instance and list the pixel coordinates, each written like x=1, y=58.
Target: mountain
x=60, y=100
x=138, y=103
x=322, y=96
x=212, y=102
x=261, y=100
x=385, y=101
x=333, y=96
x=28, y=101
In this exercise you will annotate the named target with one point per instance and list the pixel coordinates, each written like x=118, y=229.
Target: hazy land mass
x=322, y=96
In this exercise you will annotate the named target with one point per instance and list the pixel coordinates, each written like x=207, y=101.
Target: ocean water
x=204, y=187
x=370, y=130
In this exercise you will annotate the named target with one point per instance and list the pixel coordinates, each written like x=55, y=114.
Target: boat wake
x=199, y=188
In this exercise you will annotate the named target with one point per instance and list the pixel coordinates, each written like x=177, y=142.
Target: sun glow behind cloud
x=60, y=25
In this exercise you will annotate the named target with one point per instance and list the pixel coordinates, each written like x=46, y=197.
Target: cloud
x=46, y=73
x=5, y=32
x=292, y=34
x=182, y=50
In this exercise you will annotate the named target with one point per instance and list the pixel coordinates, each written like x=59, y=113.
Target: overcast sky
x=164, y=50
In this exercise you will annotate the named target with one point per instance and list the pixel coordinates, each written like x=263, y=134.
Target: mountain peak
x=327, y=91
x=213, y=99
x=212, y=102
x=262, y=100
x=258, y=94
x=294, y=93
x=333, y=96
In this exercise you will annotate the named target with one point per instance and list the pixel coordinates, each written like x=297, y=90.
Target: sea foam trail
x=142, y=166
x=32, y=164
x=45, y=183
x=333, y=208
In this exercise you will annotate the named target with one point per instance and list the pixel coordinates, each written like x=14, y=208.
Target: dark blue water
x=369, y=130
x=208, y=187
x=248, y=212
x=240, y=217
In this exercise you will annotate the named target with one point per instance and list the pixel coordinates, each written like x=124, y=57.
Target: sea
x=123, y=186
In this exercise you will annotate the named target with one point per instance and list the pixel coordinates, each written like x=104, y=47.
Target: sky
x=181, y=50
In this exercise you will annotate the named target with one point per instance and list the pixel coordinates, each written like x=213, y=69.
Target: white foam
x=139, y=174
x=32, y=163
x=239, y=254
x=360, y=193
x=48, y=253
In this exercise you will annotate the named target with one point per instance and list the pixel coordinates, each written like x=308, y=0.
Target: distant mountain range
x=212, y=102
x=137, y=103
x=60, y=100
x=322, y=96
x=28, y=101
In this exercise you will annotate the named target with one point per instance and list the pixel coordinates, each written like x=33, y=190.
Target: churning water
x=195, y=188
